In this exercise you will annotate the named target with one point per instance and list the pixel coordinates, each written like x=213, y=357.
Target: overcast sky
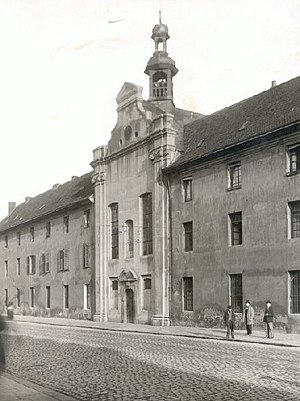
x=63, y=63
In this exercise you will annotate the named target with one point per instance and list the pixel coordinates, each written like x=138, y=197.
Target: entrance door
x=129, y=305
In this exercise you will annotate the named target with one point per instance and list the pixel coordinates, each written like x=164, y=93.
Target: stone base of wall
x=213, y=317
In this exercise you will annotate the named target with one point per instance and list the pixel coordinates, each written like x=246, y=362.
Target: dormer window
x=159, y=86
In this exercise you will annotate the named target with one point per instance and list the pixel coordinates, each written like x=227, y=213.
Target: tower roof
x=160, y=30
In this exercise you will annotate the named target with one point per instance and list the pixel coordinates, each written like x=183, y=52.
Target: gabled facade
x=236, y=211
x=132, y=264
x=47, y=253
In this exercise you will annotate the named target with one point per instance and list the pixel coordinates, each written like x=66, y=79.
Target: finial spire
x=160, y=17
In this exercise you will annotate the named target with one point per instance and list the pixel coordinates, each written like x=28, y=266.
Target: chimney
x=55, y=186
x=27, y=199
x=74, y=176
x=11, y=207
x=273, y=84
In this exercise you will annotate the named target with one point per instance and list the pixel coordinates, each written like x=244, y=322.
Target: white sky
x=63, y=64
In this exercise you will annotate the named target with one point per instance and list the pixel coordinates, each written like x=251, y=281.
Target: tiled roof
x=63, y=196
x=250, y=118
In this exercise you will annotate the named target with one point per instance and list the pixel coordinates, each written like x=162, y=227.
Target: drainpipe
x=170, y=245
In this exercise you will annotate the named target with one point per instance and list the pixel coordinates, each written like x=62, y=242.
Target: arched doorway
x=129, y=305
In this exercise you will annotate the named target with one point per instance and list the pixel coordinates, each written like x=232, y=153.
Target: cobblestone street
x=102, y=365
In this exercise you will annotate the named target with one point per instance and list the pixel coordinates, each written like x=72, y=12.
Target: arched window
x=129, y=239
x=127, y=133
x=159, y=84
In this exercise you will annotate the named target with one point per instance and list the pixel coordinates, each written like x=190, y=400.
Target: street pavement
x=13, y=389
x=111, y=364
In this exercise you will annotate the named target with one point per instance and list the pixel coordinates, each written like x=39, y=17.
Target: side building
x=47, y=252
x=235, y=211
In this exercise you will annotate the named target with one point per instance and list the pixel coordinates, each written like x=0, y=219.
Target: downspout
x=170, y=245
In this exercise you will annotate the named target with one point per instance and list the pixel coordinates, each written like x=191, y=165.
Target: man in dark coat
x=2, y=353
x=248, y=317
x=229, y=320
x=268, y=319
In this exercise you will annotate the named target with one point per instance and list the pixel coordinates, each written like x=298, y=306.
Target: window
x=147, y=224
x=295, y=291
x=18, y=297
x=87, y=296
x=32, y=234
x=127, y=133
x=48, y=297
x=114, y=212
x=187, y=189
x=188, y=296
x=66, y=223
x=114, y=294
x=63, y=260
x=48, y=229
x=293, y=159
x=66, y=296
x=234, y=175
x=86, y=218
x=19, y=238
x=294, y=208
x=236, y=232
x=6, y=268
x=6, y=241
x=236, y=292
x=18, y=266
x=44, y=263
x=188, y=236
x=147, y=293
x=31, y=296
x=6, y=297
x=159, y=85
x=85, y=253
x=129, y=240
x=31, y=264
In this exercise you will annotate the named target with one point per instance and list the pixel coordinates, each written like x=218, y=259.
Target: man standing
x=229, y=320
x=268, y=319
x=248, y=317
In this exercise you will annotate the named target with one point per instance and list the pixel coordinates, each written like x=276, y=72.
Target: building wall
x=266, y=255
x=75, y=277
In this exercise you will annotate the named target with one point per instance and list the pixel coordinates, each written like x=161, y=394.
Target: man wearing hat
x=229, y=320
x=268, y=319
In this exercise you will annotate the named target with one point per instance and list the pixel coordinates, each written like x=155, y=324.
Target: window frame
x=233, y=226
x=187, y=186
x=290, y=170
x=294, y=282
x=114, y=226
x=48, y=297
x=87, y=296
x=294, y=219
x=236, y=299
x=187, y=294
x=231, y=169
x=188, y=236
x=147, y=224
x=48, y=229
x=129, y=239
x=66, y=296
x=86, y=217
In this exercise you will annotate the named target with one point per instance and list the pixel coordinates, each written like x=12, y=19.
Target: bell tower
x=161, y=69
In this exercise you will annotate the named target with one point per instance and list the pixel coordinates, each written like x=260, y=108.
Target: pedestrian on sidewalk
x=2, y=353
x=248, y=317
x=229, y=320
x=268, y=319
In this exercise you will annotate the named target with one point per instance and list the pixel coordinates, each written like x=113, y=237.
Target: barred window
x=188, y=236
x=295, y=291
x=114, y=211
x=85, y=253
x=295, y=219
x=147, y=224
x=236, y=292
x=294, y=159
x=188, y=295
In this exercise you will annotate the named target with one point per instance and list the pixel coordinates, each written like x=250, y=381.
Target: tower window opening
x=160, y=46
x=159, y=88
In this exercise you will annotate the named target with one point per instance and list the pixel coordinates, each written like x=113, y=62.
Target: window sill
x=234, y=188
x=86, y=267
x=188, y=311
x=291, y=173
x=63, y=270
x=150, y=255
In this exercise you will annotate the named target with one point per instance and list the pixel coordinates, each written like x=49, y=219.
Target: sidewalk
x=14, y=388
x=281, y=338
